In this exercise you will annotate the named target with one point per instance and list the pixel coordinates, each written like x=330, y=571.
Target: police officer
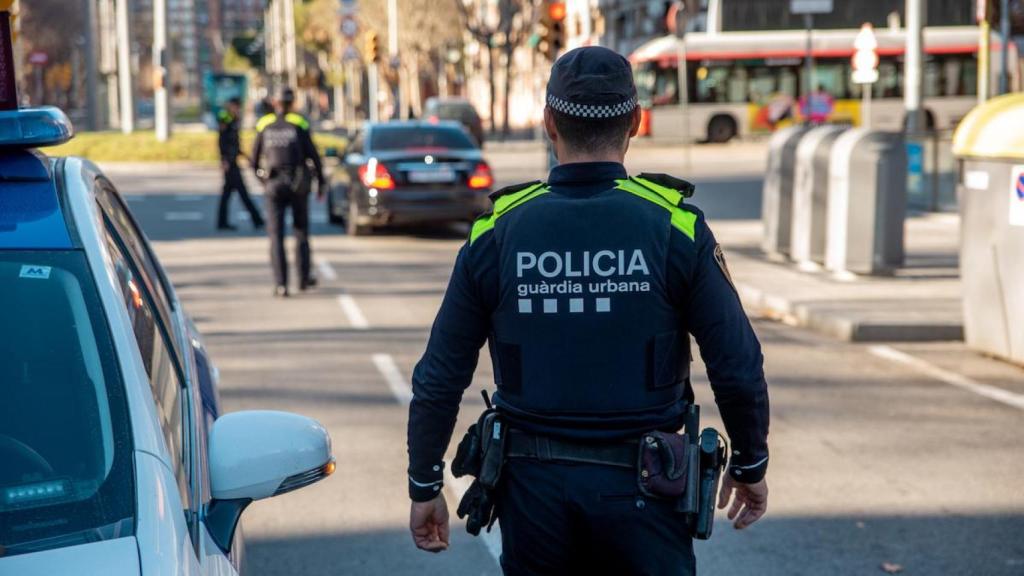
x=228, y=120
x=588, y=289
x=286, y=161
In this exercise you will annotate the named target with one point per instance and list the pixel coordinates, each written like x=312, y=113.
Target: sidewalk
x=920, y=302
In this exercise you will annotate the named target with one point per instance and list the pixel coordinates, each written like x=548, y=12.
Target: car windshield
x=65, y=447
x=415, y=137
x=463, y=112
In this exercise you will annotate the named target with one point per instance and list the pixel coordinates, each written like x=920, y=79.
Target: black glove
x=478, y=509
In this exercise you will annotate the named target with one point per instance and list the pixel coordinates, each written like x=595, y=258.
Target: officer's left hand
x=428, y=522
x=749, y=501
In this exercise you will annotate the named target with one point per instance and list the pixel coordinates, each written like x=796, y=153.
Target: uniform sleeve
x=441, y=376
x=222, y=142
x=309, y=151
x=730, y=350
x=257, y=151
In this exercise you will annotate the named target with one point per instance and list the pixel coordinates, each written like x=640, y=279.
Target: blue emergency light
x=27, y=127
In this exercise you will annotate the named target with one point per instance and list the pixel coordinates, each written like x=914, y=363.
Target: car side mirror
x=259, y=454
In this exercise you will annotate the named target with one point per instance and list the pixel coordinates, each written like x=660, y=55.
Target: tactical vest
x=585, y=326
x=282, y=148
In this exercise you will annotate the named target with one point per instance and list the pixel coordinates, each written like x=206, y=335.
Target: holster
x=685, y=468
x=481, y=454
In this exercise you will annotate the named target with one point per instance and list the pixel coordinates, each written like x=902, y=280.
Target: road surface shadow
x=953, y=544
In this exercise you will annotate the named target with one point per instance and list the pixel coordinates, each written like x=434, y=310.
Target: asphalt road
x=877, y=463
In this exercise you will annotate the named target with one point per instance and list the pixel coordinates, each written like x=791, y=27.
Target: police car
x=114, y=458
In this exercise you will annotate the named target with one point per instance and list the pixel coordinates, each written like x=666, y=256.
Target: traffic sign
x=865, y=57
x=38, y=58
x=349, y=27
x=1017, y=196
x=810, y=6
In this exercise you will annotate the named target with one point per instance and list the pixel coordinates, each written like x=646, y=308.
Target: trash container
x=810, y=195
x=777, y=194
x=867, y=202
x=989, y=147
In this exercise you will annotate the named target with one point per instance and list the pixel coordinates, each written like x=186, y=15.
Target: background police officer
x=286, y=160
x=228, y=122
x=588, y=289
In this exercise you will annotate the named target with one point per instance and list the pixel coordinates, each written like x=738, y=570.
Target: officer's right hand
x=428, y=522
x=749, y=502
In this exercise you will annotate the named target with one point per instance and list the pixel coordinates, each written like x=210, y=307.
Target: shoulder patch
x=720, y=260
x=508, y=199
x=511, y=189
x=684, y=187
x=265, y=121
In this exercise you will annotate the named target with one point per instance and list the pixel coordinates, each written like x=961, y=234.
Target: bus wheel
x=721, y=129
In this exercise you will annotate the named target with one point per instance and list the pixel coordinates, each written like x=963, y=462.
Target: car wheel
x=353, y=227
x=721, y=129
x=332, y=214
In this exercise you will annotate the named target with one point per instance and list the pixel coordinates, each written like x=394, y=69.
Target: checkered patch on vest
x=591, y=111
x=720, y=260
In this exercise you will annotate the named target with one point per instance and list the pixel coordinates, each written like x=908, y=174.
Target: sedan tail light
x=481, y=177
x=375, y=175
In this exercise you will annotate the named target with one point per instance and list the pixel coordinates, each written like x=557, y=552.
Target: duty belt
x=618, y=454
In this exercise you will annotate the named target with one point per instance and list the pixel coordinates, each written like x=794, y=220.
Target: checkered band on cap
x=590, y=110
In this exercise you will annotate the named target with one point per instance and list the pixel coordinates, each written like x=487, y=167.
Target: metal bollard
x=867, y=202
x=777, y=193
x=810, y=196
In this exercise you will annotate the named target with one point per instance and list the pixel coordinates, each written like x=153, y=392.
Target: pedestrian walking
x=286, y=161
x=228, y=124
x=588, y=289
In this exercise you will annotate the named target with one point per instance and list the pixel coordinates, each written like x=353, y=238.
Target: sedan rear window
x=413, y=137
x=65, y=447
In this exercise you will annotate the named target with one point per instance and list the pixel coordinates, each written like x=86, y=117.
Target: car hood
x=118, y=557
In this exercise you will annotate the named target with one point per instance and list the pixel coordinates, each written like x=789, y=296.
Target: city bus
x=743, y=83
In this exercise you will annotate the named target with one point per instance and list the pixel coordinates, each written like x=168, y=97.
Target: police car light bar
x=34, y=127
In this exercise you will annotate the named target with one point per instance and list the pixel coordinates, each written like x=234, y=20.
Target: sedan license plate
x=432, y=176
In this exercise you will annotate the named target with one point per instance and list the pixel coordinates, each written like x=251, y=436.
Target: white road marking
x=326, y=270
x=399, y=386
x=183, y=216
x=951, y=378
x=352, y=312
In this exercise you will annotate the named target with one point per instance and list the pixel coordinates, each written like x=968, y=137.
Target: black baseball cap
x=286, y=94
x=592, y=82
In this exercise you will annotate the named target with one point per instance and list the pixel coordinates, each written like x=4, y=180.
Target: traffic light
x=372, y=48
x=551, y=33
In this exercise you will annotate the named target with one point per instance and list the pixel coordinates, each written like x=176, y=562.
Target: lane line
x=326, y=270
x=400, y=388
x=183, y=216
x=352, y=312
x=951, y=378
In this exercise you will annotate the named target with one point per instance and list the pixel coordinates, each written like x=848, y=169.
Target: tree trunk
x=491, y=74
x=509, y=50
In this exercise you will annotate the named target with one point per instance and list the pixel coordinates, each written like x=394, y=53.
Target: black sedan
x=401, y=173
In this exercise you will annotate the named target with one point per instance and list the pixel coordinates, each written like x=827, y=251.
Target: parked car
x=459, y=110
x=114, y=456
x=396, y=173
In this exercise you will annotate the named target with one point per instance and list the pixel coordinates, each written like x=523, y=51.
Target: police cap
x=592, y=82
x=286, y=94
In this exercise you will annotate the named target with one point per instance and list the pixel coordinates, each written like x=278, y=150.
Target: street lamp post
x=913, y=66
x=126, y=88
x=161, y=62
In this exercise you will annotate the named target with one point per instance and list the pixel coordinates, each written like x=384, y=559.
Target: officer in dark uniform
x=286, y=161
x=228, y=120
x=587, y=289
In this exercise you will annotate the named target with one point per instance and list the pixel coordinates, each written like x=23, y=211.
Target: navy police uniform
x=230, y=150
x=283, y=148
x=587, y=290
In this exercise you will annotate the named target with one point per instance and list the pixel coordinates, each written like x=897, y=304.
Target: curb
x=843, y=327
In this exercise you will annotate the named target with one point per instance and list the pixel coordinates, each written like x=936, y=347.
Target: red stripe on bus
x=831, y=53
